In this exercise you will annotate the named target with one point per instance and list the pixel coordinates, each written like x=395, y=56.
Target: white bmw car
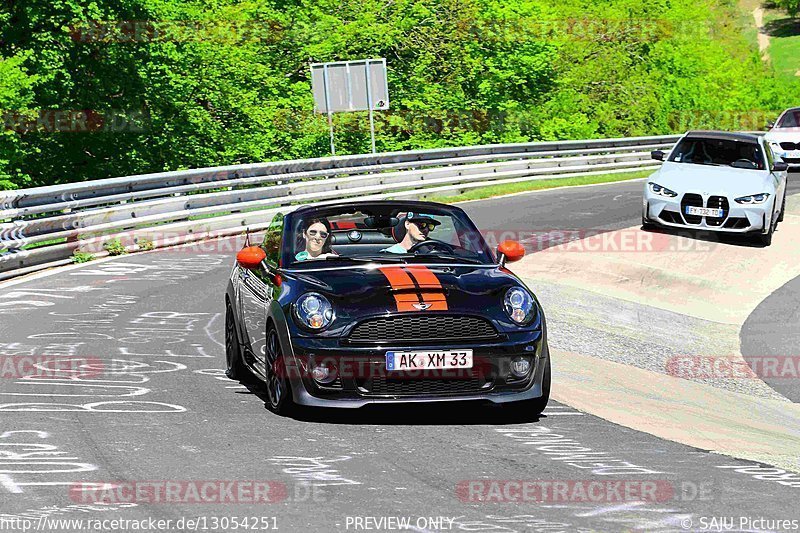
x=717, y=181
x=784, y=137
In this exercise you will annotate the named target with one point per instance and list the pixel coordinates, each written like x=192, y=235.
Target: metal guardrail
x=42, y=227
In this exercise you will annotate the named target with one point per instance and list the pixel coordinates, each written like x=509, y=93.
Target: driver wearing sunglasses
x=416, y=227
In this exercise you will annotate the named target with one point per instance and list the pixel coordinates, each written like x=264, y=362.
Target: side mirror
x=658, y=155
x=251, y=257
x=770, y=124
x=511, y=251
x=780, y=166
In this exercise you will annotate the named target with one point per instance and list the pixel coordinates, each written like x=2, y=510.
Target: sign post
x=348, y=86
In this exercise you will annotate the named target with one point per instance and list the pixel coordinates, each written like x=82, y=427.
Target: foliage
x=791, y=6
x=144, y=244
x=195, y=83
x=115, y=247
x=81, y=257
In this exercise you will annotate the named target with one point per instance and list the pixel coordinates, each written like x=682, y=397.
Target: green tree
x=172, y=84
x=791, y=6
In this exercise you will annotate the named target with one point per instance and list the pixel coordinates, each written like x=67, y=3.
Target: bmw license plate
x=794, y=154
x=704, y=211
x=437, y=360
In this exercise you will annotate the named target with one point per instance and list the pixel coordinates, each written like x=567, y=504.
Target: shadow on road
x=734, y=239
x=420, y=414
x=472, y=413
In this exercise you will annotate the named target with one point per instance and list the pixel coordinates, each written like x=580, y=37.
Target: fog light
x=518, y=315
x=323, y=374
x=520, y=367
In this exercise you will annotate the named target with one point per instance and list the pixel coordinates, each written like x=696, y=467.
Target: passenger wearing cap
x=412, y=229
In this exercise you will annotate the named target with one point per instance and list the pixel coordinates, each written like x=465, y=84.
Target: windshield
x=719, y=152
x=790, y=119
x=386, y=234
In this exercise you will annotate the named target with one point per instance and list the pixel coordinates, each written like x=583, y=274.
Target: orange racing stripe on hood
x=427, y=290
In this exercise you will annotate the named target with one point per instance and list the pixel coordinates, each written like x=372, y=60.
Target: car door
x=258, y=291
x=253, y=295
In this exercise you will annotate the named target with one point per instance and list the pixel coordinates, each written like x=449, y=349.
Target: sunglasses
x=314, y=233
x=424, y=226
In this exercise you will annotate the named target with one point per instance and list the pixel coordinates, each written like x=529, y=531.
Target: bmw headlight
x=655, y=188
x=753, y=198
x=314, y=311
x=519, y=305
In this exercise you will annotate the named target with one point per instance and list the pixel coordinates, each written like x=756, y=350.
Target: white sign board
x=350, y=86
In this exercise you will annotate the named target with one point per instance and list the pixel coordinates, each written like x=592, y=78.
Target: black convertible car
x=378, y=302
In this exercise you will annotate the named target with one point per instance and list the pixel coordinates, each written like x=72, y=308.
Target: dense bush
x=192, y=84
x=791, y=6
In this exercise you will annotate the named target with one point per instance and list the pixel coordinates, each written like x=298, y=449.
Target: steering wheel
x=433, y=244
x=748, y=162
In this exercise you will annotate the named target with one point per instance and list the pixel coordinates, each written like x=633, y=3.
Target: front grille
x=422, y=328
x=694, y=200
x=791, y=160
x=790, y=146
x=718, y=202
x=476, y=380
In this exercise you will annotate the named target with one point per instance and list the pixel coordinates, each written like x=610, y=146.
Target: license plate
x=437, y=360
x=704, y=211
x=795, y=154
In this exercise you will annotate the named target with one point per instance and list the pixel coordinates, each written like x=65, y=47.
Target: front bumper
x=791, y=158
x=362, y=378
x=737, y=218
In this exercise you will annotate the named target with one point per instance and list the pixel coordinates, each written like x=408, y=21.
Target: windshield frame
x=294, y=220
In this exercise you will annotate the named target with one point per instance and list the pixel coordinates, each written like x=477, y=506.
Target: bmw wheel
x=766, y=238
x=279, y=393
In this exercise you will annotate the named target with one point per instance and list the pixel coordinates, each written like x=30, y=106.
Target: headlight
x=314, y=311
x=753, y=199
x=519, y=305
x=655, y=188
x=776, y=147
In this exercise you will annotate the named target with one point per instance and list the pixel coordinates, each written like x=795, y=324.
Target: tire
x=233, y=350
x=647, y=225
x=278, y=391
x=535, y=406
x=783, y=208
x=766, y=239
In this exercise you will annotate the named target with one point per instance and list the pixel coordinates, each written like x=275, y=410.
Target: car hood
x=783, y=134
x=361, y=292
x=686, y=177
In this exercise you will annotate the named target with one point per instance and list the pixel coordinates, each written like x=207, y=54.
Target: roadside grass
x=784, y=42
x=511, y=188
x=49, y=242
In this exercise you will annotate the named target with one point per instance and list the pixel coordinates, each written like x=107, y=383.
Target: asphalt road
x=151, y=404
x=772, y=331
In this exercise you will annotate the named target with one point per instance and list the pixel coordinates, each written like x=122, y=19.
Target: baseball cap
x=422, y=217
